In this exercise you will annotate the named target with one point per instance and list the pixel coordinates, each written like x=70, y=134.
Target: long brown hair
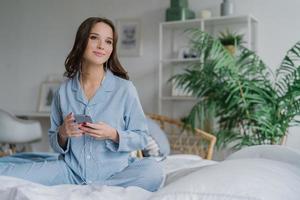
x=73, y=61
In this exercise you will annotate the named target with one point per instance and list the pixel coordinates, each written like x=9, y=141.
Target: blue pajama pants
x=145, y=173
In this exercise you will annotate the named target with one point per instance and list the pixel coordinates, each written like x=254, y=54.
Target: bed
x=269, y=173
x=255, y=173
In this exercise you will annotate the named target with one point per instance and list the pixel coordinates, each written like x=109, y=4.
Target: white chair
x=15, y=131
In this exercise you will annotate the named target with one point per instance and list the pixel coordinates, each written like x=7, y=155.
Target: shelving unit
x=173, y=43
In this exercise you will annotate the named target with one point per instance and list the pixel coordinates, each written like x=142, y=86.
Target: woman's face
x=100, y=44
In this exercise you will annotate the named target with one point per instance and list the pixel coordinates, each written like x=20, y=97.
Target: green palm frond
x=289, y=71
x=250, y=105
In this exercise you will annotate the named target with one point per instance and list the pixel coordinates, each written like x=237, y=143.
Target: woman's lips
x=99, y=54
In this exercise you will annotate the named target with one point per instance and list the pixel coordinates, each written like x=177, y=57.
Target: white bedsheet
x=14, y=188
x=180, y=165
x=245, y=176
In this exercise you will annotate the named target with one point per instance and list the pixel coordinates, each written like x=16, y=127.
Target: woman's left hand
x=100, y=131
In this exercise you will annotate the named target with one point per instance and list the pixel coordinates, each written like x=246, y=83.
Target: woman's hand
x=100, y=131
x=69, y=128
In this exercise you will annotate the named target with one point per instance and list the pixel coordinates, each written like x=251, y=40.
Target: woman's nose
x=99, y=44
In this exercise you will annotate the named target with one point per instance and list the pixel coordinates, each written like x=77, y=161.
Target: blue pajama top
x=116, y=103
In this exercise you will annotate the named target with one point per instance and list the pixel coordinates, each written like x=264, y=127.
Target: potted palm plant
x=230, y=40
x=251, y=106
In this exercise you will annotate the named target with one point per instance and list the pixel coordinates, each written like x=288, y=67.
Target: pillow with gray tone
x=158, y=143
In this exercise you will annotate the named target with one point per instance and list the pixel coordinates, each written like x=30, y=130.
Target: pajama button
x=88, y=157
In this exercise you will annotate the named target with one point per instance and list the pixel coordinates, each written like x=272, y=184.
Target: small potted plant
x=230, y=40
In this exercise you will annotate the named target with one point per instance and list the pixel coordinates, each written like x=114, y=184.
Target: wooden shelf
x=32, y=114
x=178, y=60
x=179, y=98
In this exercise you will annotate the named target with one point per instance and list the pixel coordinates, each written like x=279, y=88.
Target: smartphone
x=83, y=118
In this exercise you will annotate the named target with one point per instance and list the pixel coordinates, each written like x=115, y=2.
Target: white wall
x=36, y=36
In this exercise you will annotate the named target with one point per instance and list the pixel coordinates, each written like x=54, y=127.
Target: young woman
x=97, y=152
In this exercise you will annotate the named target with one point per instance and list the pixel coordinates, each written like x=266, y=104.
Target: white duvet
x=14, y=188
x=188, y=177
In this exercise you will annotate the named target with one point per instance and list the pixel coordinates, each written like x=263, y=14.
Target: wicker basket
x=186, y=141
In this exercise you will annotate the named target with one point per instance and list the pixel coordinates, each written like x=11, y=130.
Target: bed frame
x=182, y=141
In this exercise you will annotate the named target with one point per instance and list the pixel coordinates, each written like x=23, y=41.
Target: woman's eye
x=93, y=37
x=109, y=42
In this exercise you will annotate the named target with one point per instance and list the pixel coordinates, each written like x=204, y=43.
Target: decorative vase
x=179, y=11
x=227, y=8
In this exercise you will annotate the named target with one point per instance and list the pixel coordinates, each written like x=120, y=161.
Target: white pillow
x=272, y=152
x=241, y=179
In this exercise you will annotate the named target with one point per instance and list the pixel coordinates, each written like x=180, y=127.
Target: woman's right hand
x=69, y=128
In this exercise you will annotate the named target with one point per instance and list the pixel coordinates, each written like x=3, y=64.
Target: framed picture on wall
x=130, y=37
x=47, y=92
